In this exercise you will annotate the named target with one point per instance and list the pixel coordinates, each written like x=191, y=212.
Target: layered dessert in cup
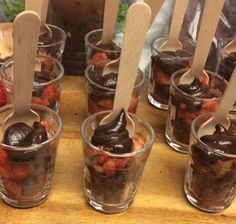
x=48, y=77
x=96, y=52
x=27, y=158
x=101, y=89
x=210, y=179
x=163, y=65
x=52, y=46
x=226, y=62
x=114, y=161
x=49, y=45
x=186, y=102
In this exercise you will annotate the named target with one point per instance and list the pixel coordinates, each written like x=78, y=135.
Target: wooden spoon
x=209, y=22
x=173, y=43
x=109, y=21
x=220, y=116
x=155, y=7
x=112, y=66
x=40, y=7
x=25, y=50
x=137, y=23
x=230, y=47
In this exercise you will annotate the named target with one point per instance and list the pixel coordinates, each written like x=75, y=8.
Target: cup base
x=105, y=207
x=156, y=103
x=27, y=203
x=177, y=146
x=198, y=205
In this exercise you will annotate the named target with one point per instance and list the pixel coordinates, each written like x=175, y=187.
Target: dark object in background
x=76, y=17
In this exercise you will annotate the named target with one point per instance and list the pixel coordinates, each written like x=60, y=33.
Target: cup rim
x=217, y=152
x=90, y=81
x=173, y=84
x=63, y=39
x=124, y=155
x=43, y=144
x=88, y=43
x=153, y=47
x=10, y=62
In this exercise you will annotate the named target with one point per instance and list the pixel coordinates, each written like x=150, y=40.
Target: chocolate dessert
x=163, y=65
x=24, y=172
x=213, y=177
x=110, y=177
x=101, y=91
x=187, y=108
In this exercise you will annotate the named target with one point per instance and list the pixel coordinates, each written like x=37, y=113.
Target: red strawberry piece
x=103, y=159
x=160, y=77
x=210, y=106
x=20, y=172
x=121, y=163
x=203, y=79
x=137, y=145
x=92, y=153
x=12, y=188
x=47, y=65
x=50, y=93
x=100, y=57
x=3, y=97
x=182, y=106
x=110, y=167
x=5, y=165
x=38, y=100
x=133, y=103
x=105, y=104
x=46, y=126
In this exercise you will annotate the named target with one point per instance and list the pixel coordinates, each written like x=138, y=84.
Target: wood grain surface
x=159, y=200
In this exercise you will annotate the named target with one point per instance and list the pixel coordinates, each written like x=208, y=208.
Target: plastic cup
x=113, y=190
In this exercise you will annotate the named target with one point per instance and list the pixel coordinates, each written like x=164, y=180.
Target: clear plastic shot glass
x=163, y=65
x=26, y=172
x=210, y=178
x=111, y=180
x=48, y=78
x=96, y=52
x=101, y=89
x=184, y=107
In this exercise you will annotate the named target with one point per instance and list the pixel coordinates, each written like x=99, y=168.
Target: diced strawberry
x=46, y=126
x=137, y=144
x=189, y=117
x=3, y=97
x=91, y=153
x=160, y=77
x=5, y=165
x=38, y=100
x=110, y=167
x=203, y=78
x=12, y=188
x=100, y=57
x=121, y=163
x=98, y=168
x=91, y=106
x=47, y=65
x=20, y=172
x=210, y=106
x=105, y=104
x=133, y=103
x=182, y=106
x=103, y=159
x=50, y=93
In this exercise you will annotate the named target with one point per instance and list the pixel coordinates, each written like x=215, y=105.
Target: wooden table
x=160, y=198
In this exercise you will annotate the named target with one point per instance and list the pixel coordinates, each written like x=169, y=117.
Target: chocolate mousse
x=213, y=176
x=186, y=109
x=164, y=64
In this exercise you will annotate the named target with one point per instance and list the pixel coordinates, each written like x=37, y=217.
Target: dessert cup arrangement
x=116, y=142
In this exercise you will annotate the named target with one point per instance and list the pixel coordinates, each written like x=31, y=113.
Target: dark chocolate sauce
x=114, y=135
x=221, y=139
